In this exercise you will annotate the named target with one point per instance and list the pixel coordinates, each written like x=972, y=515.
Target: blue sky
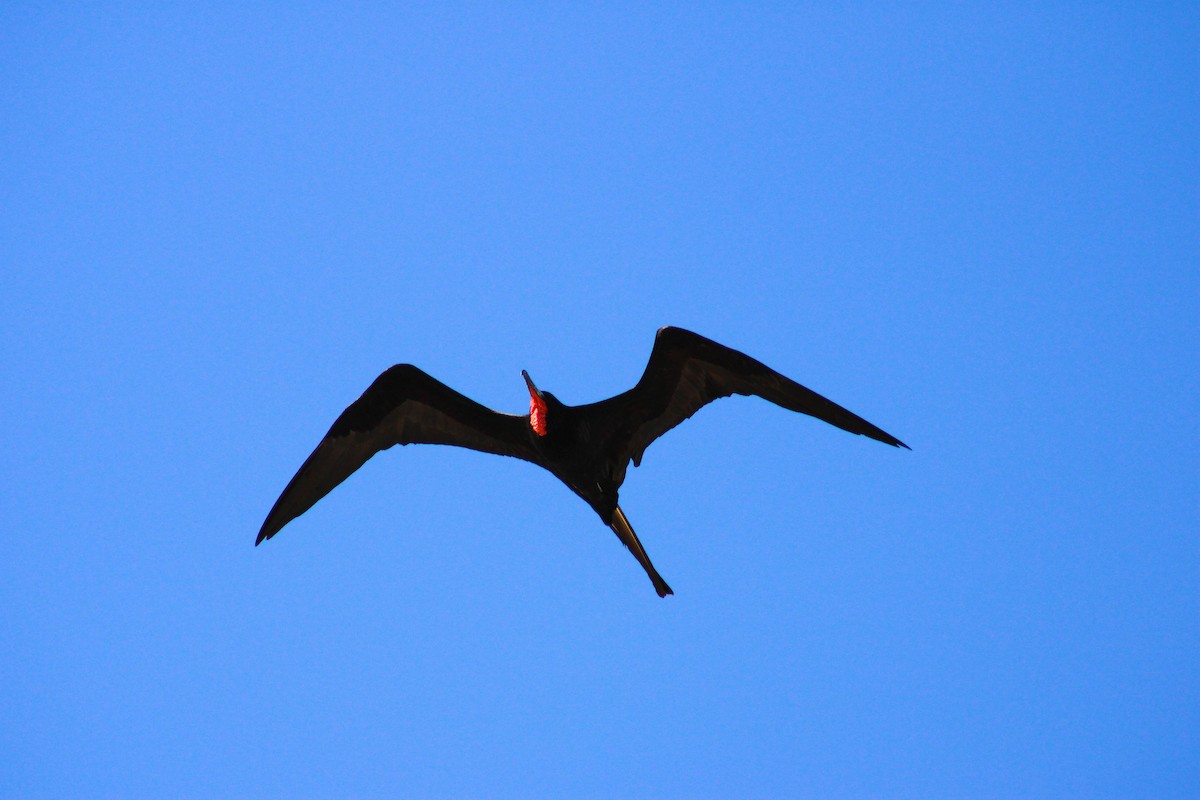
x=977, y=228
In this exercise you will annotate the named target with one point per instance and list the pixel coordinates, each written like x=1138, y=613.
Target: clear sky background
x=977, y=228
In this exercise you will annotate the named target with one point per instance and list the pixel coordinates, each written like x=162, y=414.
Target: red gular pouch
x=537, y=414
x=537, y=406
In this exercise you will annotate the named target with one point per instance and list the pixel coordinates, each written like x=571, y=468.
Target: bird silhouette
x=587, y=447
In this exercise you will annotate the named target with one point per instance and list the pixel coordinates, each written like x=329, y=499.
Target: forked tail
x=624, y=532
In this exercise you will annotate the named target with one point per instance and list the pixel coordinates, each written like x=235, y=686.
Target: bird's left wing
x=403, y=406
x=686, y=371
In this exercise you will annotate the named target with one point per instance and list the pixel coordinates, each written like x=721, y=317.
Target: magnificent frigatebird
x=586, y=447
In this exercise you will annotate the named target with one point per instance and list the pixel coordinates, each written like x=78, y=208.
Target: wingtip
x=880, y=435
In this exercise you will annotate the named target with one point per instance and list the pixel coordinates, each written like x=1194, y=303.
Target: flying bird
x=587, y=447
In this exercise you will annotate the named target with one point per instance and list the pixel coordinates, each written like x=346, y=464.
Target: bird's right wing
x=403, y=406
x=686, y=371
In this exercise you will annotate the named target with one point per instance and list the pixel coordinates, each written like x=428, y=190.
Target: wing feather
x=686, y=371
x=404, y=405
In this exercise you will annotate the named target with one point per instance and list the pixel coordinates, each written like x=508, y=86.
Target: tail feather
x=624, y=532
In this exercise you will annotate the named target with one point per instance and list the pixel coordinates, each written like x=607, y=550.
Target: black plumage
x=587, y=447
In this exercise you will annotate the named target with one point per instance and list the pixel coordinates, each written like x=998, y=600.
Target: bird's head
x=538, y=406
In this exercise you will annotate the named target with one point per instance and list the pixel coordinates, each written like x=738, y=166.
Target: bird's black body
x=587, y=447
